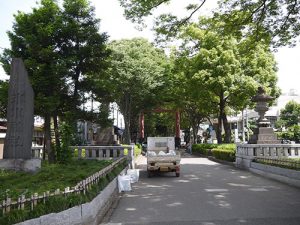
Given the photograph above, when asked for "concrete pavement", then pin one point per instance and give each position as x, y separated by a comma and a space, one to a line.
208, 193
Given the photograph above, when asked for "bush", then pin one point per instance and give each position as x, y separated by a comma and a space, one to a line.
137, 150
204, 149
224, 154
222, 151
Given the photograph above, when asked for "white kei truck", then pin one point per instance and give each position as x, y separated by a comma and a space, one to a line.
162, 156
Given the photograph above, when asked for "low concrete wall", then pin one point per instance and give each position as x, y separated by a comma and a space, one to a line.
243, 162
291, 177
27, 165
91, 213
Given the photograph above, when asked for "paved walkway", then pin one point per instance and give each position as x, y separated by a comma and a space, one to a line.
208, 193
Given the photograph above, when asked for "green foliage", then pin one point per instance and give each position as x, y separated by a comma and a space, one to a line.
292, 134
223, 73
224, 154
290, 115
272, 21
204, 149
3, 98
275, 22
137, 150
288, 122
63, 152
60, 203
208, 150
139, 76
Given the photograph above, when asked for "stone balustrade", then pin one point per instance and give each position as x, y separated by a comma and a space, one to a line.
37, 152
92, 152
245, 153
101, 152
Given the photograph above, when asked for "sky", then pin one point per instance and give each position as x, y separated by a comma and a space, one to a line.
117, 27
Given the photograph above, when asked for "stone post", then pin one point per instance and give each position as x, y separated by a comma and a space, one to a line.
20, 119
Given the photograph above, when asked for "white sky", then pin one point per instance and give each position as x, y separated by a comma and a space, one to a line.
117, 27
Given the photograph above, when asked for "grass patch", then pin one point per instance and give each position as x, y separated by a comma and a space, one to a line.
60, 203
49, 178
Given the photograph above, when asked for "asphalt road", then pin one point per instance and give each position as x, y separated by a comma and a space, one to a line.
208, 193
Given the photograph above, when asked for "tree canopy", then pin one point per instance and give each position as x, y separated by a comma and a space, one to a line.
289, 121
276, 21
289, 115
139, 75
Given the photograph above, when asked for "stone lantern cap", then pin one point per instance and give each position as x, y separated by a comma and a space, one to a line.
261, 96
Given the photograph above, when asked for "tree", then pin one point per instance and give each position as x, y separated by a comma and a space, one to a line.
277, 20
139, 73
289, 121
219, 64
60, 48
190, 95
289, 115
82, 48
33, 40
3, 98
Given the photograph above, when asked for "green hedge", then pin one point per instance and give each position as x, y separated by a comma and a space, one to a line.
206, 149
224, 154
137, 150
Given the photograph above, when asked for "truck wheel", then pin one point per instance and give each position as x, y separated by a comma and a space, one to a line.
177, 174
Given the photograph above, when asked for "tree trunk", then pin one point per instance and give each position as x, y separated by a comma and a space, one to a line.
56, 131
47, 139
125, 109
226, 128
219, 130
221, 112
195, 132
57, 136
127, 137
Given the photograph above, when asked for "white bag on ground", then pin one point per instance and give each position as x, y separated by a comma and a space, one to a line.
124, 183
134, 175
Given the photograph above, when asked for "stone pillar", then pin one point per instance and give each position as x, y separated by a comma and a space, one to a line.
20, 117
17, 153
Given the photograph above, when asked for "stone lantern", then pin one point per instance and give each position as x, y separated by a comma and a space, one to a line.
264, 133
